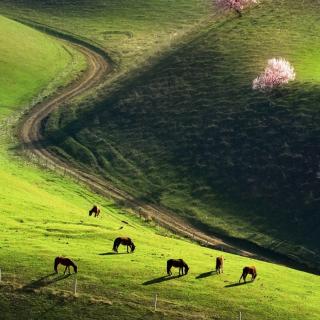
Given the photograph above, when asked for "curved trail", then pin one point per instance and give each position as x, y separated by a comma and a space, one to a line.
30, 135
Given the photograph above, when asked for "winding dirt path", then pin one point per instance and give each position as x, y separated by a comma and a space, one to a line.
31, 137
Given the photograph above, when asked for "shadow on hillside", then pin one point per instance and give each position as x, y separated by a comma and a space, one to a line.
160, 279
206, 274
237, 284
111, 253
44, 281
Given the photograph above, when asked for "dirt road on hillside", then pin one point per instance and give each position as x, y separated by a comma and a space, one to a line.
31, 137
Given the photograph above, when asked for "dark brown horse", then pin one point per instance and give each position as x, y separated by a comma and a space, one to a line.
248, 270
65, 262
95, 210
124, 241
177, 263
219, 264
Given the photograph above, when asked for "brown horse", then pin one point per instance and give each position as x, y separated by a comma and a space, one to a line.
65, 262
177, 263
124, 241
248, 270
219, 264
95, 210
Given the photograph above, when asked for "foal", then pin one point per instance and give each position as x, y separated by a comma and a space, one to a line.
248, 270
65, 262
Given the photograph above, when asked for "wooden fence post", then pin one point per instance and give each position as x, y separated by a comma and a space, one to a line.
75, 283
155, 301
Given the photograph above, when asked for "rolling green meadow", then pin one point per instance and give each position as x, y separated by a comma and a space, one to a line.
177, 122
44, 215
133, 33
165, 128
24, 53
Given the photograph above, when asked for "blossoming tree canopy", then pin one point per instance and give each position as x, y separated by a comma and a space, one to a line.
237, 5
278, 72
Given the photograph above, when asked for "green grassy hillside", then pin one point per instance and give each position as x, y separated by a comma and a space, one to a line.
190, 134
44, 215
131, 31
52, 220
24, 53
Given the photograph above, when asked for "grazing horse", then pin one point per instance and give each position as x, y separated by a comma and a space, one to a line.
124, 241
219, 264
95, 210
177, 263
65, 262
248, 270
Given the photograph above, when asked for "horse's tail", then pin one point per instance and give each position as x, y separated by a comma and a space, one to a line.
56, 262
116, 245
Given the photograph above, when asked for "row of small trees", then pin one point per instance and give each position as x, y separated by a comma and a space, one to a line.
278, 71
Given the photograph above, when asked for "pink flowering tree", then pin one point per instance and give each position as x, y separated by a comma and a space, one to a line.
237, 5
278, 72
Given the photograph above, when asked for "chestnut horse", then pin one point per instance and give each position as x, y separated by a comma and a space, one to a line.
248, 270
65, 262
219, 264
95, 210
124, 241
177, 263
